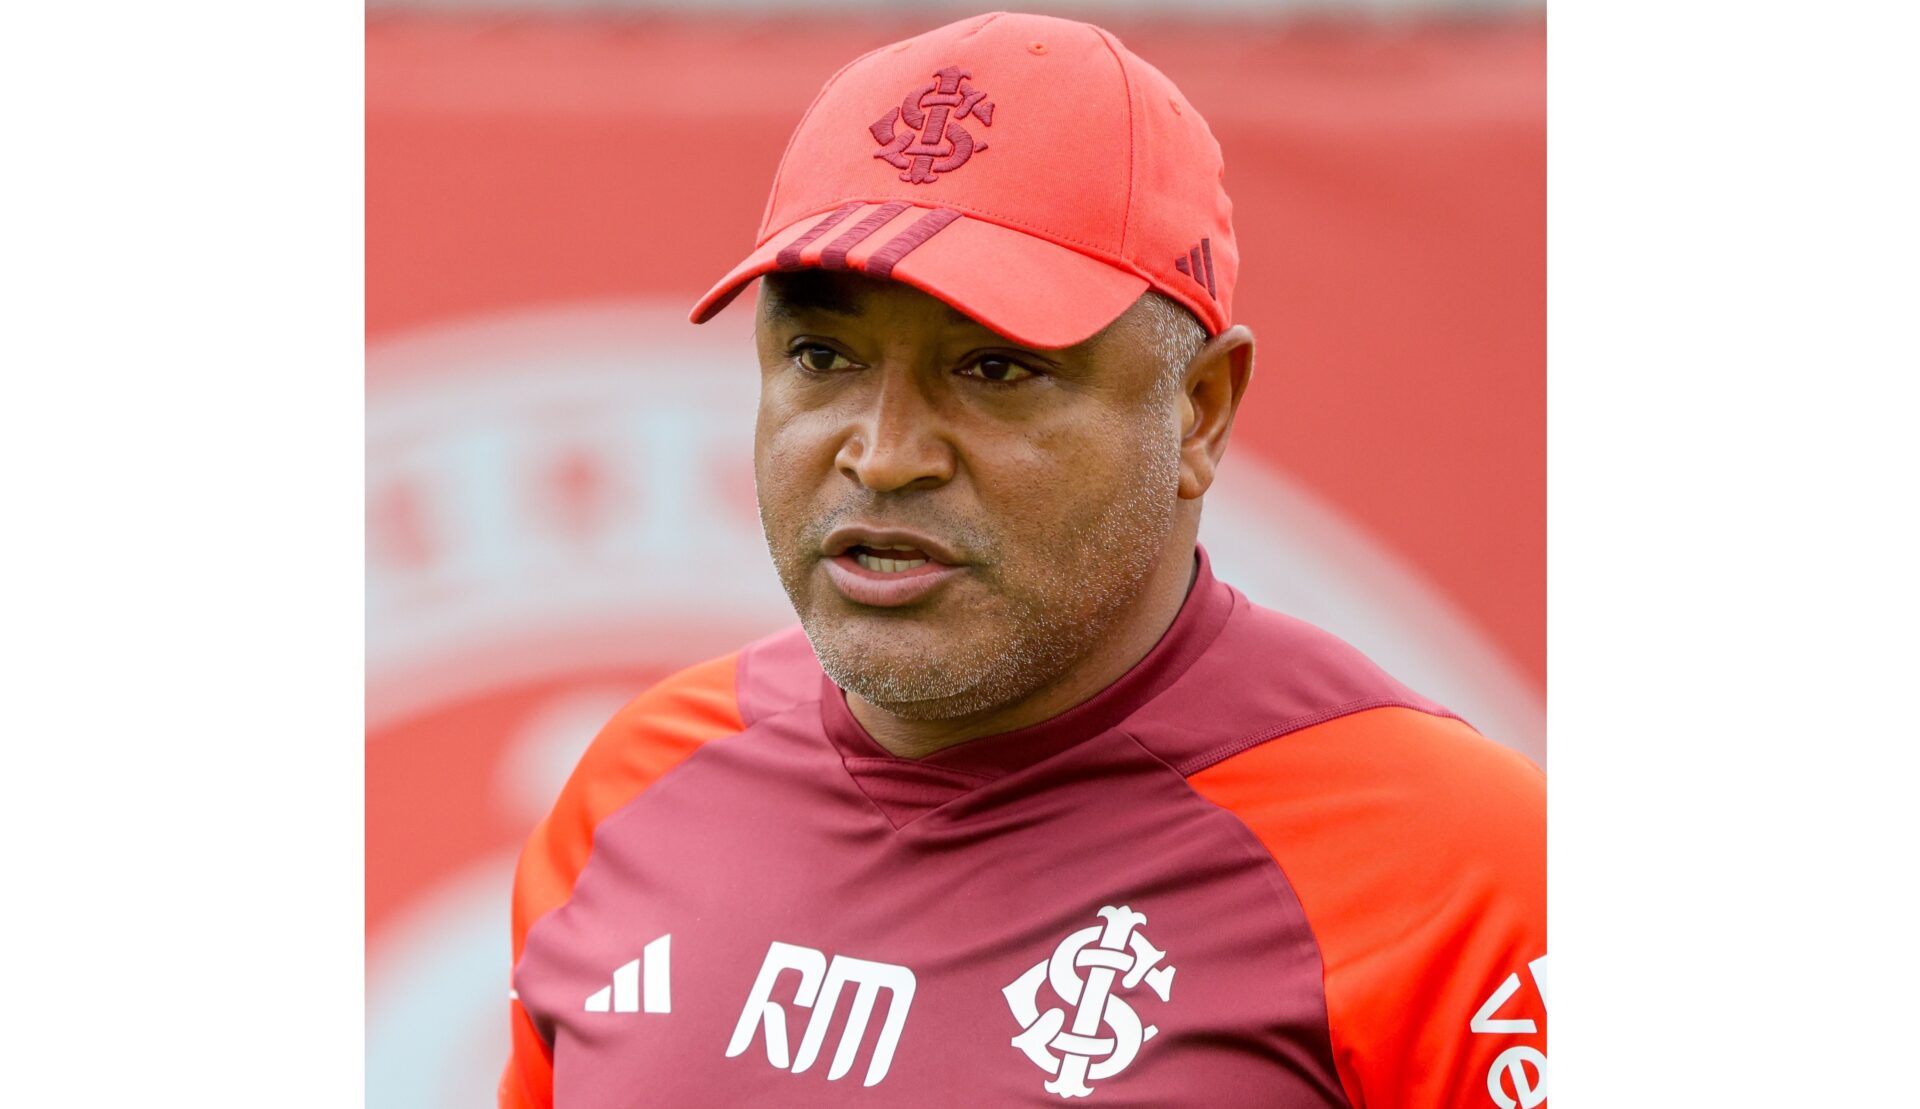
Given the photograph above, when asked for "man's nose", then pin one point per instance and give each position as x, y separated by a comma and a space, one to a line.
898, 440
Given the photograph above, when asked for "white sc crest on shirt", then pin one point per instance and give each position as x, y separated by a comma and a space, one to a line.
1095, 1033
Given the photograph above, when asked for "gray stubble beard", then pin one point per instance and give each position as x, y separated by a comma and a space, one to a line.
1122, 546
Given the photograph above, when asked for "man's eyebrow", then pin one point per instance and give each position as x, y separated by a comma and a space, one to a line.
788, 295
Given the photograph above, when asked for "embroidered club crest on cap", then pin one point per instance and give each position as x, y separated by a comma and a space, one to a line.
933, 142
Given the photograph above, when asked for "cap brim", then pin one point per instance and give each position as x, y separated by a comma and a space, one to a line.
1033, 291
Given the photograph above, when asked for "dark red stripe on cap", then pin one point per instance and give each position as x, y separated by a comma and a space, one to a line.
789, 256
1206, 250
903, 244
835, 256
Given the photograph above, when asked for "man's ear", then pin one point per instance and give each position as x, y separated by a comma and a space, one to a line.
1210, 392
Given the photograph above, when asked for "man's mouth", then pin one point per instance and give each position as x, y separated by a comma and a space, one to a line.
896, 559
888, 567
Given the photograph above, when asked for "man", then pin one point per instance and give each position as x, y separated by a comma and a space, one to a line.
1031, 806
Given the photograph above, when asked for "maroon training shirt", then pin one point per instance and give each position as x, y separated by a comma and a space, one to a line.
1254, 871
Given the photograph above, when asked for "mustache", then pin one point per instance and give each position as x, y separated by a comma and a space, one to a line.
967, 539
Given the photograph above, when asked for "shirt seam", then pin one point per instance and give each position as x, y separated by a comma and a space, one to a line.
1126, 83
1282, 888
593, 844
1215, 755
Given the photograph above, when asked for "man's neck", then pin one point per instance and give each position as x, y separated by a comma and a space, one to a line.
1126, 643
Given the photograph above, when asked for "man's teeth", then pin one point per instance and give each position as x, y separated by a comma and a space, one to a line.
887, 565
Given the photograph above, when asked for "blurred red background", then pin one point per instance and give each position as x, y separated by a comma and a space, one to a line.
546, 436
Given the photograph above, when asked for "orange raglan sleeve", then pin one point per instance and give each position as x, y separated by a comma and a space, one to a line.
643, 741
1417, 850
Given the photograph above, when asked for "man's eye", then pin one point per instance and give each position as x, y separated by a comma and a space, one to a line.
1004, 371
821, 359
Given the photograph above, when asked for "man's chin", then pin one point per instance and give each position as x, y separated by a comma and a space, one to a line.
911, 692
910, 671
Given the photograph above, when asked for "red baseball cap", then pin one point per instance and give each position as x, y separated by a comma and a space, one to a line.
1030, 171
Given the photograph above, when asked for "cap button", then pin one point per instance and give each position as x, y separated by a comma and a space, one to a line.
1036, 48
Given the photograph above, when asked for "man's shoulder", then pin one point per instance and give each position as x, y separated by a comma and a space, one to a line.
652, 734
703, 690
668, 725
1391, 773
646, 739
1410, 841
1264, 676
709, 700
1414, 846
1283, 722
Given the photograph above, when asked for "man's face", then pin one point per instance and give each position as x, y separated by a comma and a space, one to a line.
1036, 489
